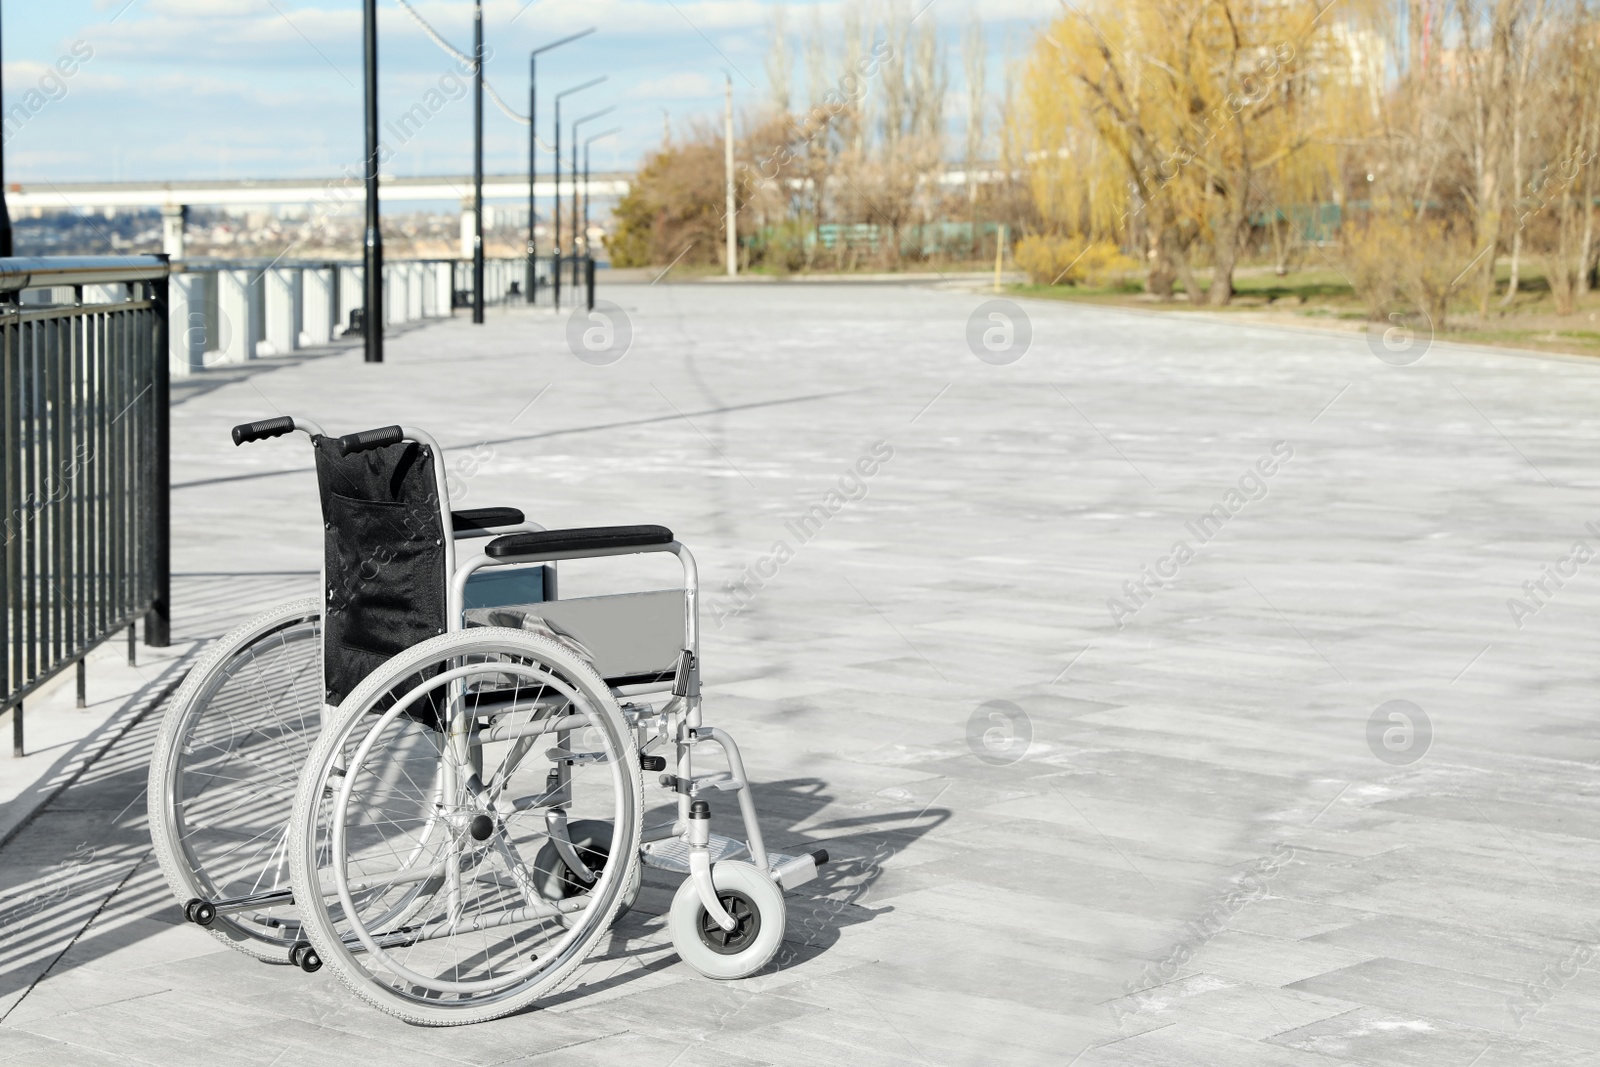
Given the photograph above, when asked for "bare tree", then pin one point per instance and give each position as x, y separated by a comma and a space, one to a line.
1558, 213
780, 61
973, 49
1519, 131
973, 53
1485, 53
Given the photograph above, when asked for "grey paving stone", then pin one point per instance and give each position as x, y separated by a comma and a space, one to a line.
1370, 1035
976, 912
1239, 1007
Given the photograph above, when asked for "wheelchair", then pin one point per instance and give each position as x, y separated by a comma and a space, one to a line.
431, 778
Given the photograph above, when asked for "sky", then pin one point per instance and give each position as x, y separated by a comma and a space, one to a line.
235, 89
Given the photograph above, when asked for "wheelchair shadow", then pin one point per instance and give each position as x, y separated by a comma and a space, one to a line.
859, 850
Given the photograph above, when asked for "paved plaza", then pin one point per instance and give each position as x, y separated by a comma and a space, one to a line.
1183, 692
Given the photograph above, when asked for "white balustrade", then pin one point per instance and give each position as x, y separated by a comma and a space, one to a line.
238, 316
317, 310
283, 295
230, 315
187, 329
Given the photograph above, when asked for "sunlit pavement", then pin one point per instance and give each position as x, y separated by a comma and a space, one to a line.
1089, 687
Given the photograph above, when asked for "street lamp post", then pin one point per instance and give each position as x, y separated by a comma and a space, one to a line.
555, 260
576, 281
533, 151
477, 162
5, 216
372, 252
586, 144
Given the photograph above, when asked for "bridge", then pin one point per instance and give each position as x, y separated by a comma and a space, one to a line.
266, 192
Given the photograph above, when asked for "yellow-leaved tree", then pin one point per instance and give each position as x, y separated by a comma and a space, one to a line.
1170, 123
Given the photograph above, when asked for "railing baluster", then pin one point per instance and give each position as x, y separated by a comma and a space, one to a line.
10, 611
119, 449
82, 619
30, 469
49, 503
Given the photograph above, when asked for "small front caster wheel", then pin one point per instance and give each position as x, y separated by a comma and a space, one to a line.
591, 839
200, 911
756, 904
305, 957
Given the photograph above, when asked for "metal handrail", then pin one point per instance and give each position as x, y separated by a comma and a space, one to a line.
35, 272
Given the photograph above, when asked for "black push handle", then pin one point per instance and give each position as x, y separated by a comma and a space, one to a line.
260, 431
368, 439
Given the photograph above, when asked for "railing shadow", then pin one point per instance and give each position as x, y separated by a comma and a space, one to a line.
62, 907
84, 853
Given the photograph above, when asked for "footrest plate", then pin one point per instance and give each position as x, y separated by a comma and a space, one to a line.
673, 854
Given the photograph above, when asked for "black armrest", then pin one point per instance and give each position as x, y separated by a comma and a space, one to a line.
485, 518
581, 540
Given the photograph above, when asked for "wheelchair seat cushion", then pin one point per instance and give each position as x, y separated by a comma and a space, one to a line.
520, 618
628, 637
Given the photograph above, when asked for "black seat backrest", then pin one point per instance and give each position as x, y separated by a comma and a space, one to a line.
383, 552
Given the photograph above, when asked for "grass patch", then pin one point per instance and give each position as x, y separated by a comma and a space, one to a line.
1528, 321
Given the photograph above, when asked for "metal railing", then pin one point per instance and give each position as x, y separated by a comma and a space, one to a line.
86, 480
84, 421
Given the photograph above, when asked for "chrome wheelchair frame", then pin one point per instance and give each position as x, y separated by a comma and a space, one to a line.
465, 814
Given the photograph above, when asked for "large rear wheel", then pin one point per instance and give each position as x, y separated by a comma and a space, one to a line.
427, 800
223, 773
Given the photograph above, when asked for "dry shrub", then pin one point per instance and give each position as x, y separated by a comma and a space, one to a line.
1367, 249
674, 206
1394, 261
1073, 260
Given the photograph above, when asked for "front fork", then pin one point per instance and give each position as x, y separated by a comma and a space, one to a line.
694, 816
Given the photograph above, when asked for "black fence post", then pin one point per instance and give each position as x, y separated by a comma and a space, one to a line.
588, 279
158, 620
373, 316
477, 164
5, 243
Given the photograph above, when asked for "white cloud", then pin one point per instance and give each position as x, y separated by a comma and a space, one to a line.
207, 9
171, 80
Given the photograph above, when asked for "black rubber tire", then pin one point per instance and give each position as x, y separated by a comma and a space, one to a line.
592, 839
